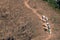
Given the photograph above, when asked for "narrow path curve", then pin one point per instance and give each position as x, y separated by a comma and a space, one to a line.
35, 12
26, 4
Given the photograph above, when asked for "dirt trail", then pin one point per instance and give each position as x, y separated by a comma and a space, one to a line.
35, 12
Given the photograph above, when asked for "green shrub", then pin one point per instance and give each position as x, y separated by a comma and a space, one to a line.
52, 3
44, 0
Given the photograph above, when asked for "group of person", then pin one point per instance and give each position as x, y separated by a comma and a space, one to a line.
46, 24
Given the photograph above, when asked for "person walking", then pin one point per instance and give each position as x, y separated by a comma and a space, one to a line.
44, 18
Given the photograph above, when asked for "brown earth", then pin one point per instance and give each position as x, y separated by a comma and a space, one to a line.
21, 19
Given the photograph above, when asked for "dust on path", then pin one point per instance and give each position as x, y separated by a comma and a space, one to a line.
40, 16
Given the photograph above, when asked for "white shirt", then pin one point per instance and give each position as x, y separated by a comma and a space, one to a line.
44, 18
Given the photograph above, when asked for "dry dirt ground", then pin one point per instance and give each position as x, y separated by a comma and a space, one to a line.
21, 20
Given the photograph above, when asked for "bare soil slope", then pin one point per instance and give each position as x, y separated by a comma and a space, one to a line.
44, 8
22, 23
17, 21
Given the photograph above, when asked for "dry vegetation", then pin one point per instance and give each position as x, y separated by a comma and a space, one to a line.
20, 23
16, 20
